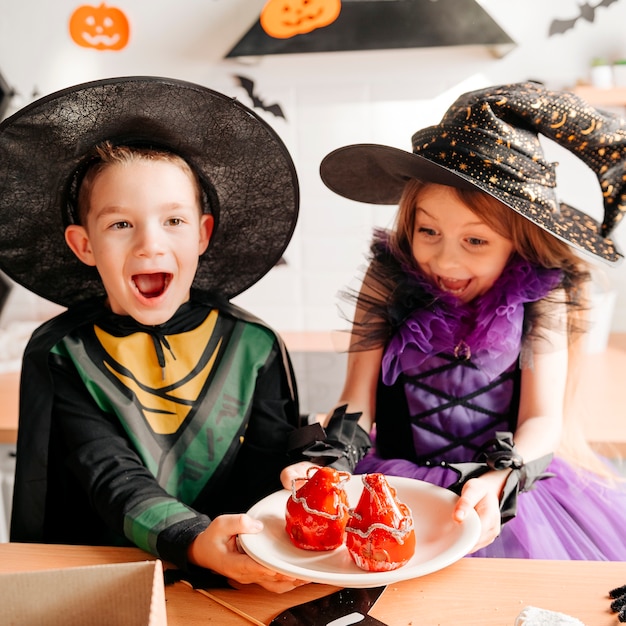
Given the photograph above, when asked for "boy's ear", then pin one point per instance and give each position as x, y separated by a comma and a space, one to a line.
78, 241
207, 222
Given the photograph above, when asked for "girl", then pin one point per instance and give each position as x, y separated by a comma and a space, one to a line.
470, 311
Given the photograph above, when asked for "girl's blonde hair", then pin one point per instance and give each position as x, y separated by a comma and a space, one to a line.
529, 240
538, 247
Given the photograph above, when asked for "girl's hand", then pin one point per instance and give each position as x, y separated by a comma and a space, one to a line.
481, 496
216, 549
297, 471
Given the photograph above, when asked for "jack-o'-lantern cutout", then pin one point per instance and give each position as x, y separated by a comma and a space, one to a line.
102, 27
285, 18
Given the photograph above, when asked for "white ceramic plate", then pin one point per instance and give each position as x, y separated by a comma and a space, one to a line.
439, 540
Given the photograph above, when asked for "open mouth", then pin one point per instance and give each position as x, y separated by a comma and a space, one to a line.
152, 285
452, 285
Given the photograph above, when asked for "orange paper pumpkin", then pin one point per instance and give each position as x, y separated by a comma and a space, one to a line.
102, 27
285, 18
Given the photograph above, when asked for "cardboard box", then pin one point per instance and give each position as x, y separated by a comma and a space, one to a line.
117, 594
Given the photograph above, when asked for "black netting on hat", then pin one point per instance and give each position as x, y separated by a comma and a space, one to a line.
245, 162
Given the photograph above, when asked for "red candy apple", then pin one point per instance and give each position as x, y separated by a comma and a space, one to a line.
317, 512
379, 534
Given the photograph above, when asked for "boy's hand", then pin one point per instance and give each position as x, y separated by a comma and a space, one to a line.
216, 549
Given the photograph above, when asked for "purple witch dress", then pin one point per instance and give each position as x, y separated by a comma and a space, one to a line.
449, 382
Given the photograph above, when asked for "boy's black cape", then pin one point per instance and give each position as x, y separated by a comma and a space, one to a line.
28, 519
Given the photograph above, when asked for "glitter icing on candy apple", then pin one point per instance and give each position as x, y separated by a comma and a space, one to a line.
317, 513
379, 534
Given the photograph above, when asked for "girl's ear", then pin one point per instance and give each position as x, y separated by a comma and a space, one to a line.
78, 241
207, 222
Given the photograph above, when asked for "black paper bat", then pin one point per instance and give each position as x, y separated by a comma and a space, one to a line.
257, 103
586, 12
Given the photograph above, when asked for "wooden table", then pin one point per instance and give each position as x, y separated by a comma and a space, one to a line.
480, 592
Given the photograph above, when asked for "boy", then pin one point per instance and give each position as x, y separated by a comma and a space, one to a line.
152, 410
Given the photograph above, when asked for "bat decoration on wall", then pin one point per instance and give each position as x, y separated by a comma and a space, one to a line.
586, 12
257, 103
10, 97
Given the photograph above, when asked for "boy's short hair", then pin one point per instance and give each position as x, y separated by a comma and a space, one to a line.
106, 154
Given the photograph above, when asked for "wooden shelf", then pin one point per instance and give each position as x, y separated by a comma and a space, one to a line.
614, 97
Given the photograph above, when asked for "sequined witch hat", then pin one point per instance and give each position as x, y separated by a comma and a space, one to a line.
489, 139
248, 177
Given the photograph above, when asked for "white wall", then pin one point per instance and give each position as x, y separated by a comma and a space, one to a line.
330, 99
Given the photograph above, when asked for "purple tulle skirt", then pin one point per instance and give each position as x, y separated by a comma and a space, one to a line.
572, 515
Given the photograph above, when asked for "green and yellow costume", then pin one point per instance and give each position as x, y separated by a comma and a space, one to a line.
151, 431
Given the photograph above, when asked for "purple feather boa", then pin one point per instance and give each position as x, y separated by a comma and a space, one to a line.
489, 328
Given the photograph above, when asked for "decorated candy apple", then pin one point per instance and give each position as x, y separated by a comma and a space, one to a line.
379, 533
317, 513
